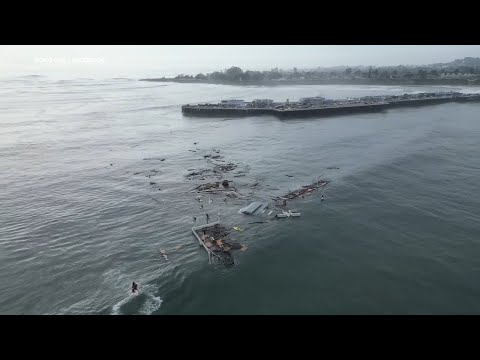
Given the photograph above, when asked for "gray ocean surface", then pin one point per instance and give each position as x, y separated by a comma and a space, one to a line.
398, 232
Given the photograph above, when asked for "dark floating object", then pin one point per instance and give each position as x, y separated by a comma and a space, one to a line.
152, 183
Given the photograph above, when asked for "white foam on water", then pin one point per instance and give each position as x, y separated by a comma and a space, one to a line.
150, 302
151, 305
117, 306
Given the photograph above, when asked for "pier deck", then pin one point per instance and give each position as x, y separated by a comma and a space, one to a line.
294, 110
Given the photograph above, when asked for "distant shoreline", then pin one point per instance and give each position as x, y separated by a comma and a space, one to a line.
452, 82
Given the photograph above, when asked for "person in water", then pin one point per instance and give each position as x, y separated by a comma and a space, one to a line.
208, 218
134, 287
321, 199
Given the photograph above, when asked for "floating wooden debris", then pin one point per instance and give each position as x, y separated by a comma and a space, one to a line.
256, 207
226, 185
304, 190
198, 174
250, 209
225, 168
288, 213
215, 240
233, 195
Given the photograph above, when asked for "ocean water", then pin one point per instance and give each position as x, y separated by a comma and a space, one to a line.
398, 232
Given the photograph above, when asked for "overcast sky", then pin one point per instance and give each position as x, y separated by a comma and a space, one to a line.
166, 60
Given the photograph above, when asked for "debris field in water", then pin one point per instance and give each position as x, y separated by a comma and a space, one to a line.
216, 238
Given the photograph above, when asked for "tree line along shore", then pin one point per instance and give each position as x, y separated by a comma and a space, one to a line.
458, 72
